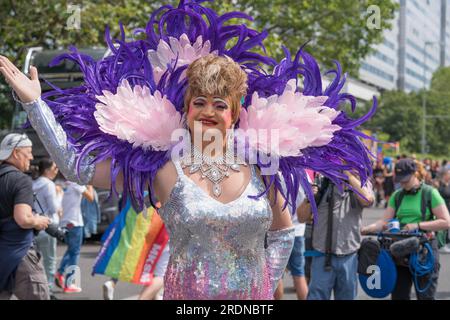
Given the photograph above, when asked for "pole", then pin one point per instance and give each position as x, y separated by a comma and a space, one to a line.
424, 101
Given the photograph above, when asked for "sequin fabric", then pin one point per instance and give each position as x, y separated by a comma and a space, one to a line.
279, 248
54, 138
216, 250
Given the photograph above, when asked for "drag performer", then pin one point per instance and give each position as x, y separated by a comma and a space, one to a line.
197, 73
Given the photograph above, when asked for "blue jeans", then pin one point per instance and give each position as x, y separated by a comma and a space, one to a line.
46, 245
73, 239
296, 263
342, 279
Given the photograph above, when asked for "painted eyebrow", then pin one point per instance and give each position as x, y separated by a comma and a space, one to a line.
216, 99
199, 99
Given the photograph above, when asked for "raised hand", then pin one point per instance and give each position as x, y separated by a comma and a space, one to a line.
26, 89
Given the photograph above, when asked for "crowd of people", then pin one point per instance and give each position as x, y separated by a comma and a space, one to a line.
54, 210
383, 176
329, 259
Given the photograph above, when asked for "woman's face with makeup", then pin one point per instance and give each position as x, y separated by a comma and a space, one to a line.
212, 112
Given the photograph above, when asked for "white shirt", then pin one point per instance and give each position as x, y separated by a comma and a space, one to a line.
71, 204
47, 201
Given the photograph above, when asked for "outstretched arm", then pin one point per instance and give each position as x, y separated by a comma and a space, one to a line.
381, 224
50, 132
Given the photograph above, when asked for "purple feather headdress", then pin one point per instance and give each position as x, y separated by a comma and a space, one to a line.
146, 78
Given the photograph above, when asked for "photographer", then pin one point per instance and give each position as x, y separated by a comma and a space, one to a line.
336, 238
21, 271
47, 202
417, 207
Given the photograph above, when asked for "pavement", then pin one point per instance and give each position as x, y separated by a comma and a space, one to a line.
92, 285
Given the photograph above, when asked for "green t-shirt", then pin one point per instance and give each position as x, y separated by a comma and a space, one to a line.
410, 208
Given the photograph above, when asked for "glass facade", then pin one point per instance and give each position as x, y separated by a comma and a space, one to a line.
417, 44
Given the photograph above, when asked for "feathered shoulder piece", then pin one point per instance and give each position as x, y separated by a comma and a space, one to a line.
132, 100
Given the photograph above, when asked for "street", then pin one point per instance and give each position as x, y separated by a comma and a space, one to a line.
92, 286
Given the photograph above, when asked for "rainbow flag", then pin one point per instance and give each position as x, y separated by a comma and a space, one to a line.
132, 246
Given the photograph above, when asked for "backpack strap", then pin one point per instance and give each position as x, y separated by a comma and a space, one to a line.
329, 237
398, 201
6, 170
426, 201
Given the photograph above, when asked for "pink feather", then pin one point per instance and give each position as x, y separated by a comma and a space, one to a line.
137, 116
181, 49
301, 122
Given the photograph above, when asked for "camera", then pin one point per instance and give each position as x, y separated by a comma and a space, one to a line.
56, 231
322, 184
53, 229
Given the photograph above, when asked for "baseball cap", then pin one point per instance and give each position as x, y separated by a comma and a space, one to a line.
12, 141
404, 169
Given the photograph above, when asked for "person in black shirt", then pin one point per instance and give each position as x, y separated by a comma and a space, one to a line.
21, 271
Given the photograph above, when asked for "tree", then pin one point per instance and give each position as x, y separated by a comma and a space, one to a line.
400, 115
438, 112
49, 24
337, 29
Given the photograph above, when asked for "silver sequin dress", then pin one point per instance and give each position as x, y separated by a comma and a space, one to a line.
216, 250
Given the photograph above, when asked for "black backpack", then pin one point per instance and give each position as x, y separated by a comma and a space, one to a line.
368, 255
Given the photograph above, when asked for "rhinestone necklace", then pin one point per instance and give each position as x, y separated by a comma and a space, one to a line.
215, 169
